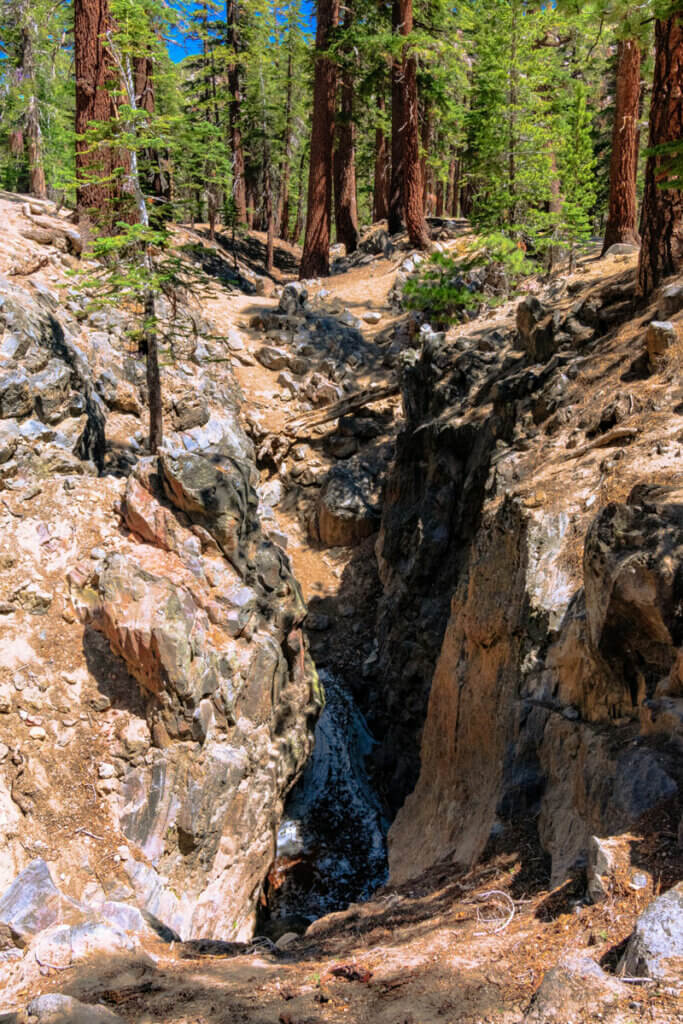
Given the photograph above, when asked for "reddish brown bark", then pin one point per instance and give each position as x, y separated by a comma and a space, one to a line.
315, 261
661, 250
413, 206
380, 195
239, 191
346, 213
621, 219
440, 203
450, 182
397, 125
100, 171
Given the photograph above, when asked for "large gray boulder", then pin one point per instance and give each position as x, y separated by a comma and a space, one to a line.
655, 949
52, 389
55, 1008
15, 395
31, 904
349, 504
577, 989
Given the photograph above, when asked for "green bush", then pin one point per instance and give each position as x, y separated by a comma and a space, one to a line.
445, 286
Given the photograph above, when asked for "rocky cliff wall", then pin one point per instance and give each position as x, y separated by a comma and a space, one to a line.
556, 691
157, 699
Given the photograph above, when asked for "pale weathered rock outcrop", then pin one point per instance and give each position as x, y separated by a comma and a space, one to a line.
192, 661
207, 622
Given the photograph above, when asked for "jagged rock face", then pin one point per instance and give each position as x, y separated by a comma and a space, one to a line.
482, 643
192, 617
557, 689
433, 495
208, 626
520, 710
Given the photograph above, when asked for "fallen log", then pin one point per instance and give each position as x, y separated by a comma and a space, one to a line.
299, 427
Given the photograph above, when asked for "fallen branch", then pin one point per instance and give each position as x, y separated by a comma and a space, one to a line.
638, 981
608, 439
86, 832
298, 428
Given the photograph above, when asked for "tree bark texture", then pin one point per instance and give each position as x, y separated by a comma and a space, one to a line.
299, 221
413, 206
397, 129
661, 251
439, 199
283, 212
239, 192
99, 171
315, 261
427, 137
34, 137
346, 212
156, 420
380, 194
621, 219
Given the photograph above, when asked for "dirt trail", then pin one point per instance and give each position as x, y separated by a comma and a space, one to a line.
360, 290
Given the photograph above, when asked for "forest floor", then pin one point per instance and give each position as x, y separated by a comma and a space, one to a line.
446, 947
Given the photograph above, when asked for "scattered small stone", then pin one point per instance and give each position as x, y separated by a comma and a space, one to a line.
622, 249
37, 733
671, 301
661, 336
100, 702
106, 770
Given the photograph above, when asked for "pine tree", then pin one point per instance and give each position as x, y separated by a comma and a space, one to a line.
316, 256
662, 221
577, 181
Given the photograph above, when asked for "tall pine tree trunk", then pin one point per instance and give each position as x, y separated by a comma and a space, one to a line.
34, 137
234, 113
412, 178
440, 202
283, 212
315, 261
397, 128
425, 169
380, 194
346, 213
621, 220
299, 222
661, 251
94, 70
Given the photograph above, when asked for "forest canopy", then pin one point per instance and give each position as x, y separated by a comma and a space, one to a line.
550, 123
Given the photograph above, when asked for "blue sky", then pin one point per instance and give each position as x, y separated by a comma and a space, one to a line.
181, 46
